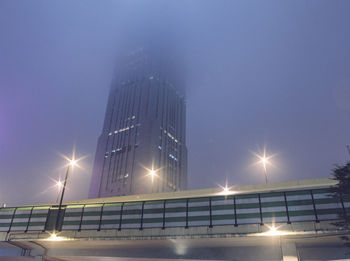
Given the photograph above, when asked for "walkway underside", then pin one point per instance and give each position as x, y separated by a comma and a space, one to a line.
297, 241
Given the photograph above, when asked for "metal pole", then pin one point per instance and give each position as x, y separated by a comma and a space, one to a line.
64, 186
58, 195
265, 172
63, 190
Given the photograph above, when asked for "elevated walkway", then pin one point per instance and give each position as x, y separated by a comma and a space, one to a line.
271, 222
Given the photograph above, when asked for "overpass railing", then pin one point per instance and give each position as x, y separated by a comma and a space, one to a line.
259, 208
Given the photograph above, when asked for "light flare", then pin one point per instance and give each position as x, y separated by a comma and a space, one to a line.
73, 161
59, 184
226, 190
274, 231
264, 158
55, 237
151, 172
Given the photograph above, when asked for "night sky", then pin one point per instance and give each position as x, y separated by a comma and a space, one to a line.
272, 74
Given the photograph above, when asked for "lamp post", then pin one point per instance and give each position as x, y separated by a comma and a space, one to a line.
72, 163
152, 173
59, 186
264, 161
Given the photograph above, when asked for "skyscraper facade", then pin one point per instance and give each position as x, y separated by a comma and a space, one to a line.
142, 147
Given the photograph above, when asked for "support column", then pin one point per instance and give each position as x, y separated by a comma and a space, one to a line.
289, 251
38, 258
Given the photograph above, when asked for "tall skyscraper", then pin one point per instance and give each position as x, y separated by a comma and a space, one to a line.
142, 148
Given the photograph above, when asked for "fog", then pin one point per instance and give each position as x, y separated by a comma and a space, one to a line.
258, 74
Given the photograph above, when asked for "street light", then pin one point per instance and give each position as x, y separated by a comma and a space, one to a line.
226, 190
71, 163
59, 186
55, 237
264, 160
152, 173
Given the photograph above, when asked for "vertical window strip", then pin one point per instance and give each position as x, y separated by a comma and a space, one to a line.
106, 147
115, 126
121, 158
110, 144
119, 143
129, 112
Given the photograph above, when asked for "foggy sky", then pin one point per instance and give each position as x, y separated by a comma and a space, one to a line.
258, 73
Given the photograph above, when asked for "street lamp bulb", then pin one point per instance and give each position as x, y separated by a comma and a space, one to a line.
273, 230
59, 184
264, 160
72, 162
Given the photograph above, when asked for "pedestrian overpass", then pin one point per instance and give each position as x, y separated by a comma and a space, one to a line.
278, 221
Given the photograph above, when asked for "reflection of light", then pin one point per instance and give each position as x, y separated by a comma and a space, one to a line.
55, 237
180, 247
180, 250
273, 231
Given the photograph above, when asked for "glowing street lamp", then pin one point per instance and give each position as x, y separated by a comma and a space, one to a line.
275, 232
59, 186
152, 174
264, 160
71, 163
55, 237
226, 190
